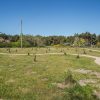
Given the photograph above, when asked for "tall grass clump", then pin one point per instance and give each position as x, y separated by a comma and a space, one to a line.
78, 56
69, 78
35, 58
77, 92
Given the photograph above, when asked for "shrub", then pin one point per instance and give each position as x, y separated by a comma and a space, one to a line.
28, 53
78, 56
79, 93
84, 52
90, 50
69, 78
35, 58
65, 53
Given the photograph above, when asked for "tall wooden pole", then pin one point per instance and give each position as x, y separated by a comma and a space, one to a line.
21, 35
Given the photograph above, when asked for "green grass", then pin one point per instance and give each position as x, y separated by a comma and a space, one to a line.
23, 79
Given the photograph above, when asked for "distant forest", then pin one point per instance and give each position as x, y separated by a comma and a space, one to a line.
82, 40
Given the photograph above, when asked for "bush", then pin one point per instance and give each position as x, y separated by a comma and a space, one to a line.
28, 53
76, 92
78, 56
84, 52
79, 93
65, 53
69, 78
15, 44
35, 58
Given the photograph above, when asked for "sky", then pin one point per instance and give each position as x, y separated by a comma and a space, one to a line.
50, 17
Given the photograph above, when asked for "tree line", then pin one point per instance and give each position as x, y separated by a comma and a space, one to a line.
82, 39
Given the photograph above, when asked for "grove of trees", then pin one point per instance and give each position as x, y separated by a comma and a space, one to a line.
84, 39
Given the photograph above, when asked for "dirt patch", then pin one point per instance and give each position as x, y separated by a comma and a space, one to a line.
44, 79
12, 70
11, 65
97, 85
54, 83
83, 71
97, 93
97, 59
84, 82
61, 85
24, 90
97, 74
30, 72
10, 81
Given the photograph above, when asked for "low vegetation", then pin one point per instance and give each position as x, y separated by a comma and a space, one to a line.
40, 77
86, 39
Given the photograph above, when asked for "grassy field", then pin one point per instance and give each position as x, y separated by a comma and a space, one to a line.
89, 51
21, 78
